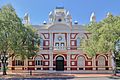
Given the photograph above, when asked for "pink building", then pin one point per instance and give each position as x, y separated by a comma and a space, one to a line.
60, 47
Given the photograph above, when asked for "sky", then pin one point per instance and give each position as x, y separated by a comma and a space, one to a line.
79, 9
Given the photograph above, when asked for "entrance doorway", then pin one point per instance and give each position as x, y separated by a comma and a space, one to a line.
59, 63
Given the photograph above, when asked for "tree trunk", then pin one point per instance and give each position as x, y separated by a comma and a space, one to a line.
4, 59
4, 68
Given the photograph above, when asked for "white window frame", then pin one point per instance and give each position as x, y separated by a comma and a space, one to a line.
19, 63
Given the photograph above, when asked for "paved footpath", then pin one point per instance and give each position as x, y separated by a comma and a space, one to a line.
58, 76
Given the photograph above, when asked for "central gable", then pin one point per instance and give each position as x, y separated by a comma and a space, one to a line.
59, 27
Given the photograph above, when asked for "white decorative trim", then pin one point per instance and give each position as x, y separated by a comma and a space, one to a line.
46, 56
102, 55
72, 63
89, 63
73, 56
94, 62
68, 61
82, 56
38, 56
46, 63
59, 55
17, 57
72, 43
30, 63
46, 43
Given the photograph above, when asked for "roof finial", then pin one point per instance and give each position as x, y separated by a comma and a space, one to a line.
93, 17
26, 18
109, 14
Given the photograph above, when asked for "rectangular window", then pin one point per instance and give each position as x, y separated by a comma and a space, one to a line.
73, 42
62, 44
38, 62
46, 43
19, 63
38, 68
80, 68
56, 44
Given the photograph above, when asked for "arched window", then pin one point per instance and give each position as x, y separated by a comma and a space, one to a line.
60, 58
18, 61
81, 62
101, 61
38, 61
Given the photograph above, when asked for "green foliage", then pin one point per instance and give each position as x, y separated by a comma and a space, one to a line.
103, 37
15, 37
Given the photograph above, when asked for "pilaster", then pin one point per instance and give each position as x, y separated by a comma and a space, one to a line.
68, 41
68, 60
94, 63
51, 60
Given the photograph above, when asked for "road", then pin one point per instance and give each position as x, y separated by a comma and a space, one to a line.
65, 78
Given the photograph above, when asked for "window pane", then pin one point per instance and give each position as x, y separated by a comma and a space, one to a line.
19, 63
62, 44
38, 62
41, 62
56, 44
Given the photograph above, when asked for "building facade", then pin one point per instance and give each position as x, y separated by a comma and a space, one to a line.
60, 50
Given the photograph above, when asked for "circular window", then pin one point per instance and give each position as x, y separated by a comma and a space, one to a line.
60, 38
59, 20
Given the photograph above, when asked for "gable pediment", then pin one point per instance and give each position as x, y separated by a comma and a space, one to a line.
59, 27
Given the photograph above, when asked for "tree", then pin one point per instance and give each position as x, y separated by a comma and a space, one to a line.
103, 38
15, 37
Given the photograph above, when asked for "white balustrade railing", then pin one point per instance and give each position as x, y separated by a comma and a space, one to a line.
59, 47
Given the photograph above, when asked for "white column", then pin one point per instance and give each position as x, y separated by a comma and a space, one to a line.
112, 61
25, 62
51, 40
51, 52
9, 62
94, 63
68, 60
109, 60
68, 41
51, 61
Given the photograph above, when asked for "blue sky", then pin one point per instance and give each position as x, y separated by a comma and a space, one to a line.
79, 9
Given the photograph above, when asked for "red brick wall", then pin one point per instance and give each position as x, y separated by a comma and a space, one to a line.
44, 63
47, 55
65, 63
47, 35
46, 47
33, 64
75, 62
86, 64
73, 47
